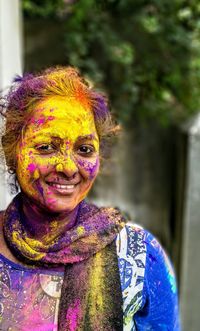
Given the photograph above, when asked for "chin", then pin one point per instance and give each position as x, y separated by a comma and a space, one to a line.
56, 206
60, 209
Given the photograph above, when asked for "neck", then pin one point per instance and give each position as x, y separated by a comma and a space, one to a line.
45, 226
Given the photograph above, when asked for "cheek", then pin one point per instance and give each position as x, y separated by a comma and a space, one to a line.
30, 165
25, 164
89, 169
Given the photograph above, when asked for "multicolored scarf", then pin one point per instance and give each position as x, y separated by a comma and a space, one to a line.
91, 297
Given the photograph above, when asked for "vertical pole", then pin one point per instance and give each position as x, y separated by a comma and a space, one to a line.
10, 61
190, 261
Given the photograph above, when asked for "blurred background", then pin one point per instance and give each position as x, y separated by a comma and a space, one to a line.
146, 56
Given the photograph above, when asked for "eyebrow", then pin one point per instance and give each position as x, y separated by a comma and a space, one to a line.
41, 135
90, 136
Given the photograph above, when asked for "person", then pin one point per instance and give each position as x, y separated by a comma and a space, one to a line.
65, 263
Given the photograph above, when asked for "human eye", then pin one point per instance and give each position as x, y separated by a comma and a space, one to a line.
45, 148
86, 150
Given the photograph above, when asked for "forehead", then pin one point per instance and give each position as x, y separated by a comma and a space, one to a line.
61, 117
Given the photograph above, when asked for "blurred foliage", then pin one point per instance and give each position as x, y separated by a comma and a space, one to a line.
48, 8
145, 54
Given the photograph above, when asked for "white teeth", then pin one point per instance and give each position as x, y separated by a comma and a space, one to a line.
67, 187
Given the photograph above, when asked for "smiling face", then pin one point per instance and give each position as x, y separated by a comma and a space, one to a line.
58, 154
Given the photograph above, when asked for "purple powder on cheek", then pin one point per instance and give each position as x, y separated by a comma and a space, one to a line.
39, 187
90, 167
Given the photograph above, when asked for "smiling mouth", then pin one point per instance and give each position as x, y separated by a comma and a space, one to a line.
63, 186
64, 189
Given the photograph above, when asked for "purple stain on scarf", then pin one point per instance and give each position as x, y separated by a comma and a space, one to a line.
100, 227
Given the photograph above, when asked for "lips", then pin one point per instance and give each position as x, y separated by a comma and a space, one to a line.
61, 181
63, 187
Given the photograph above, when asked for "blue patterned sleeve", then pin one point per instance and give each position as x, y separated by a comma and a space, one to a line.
160, 310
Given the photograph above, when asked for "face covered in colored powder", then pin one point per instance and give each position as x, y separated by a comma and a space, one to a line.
58, 155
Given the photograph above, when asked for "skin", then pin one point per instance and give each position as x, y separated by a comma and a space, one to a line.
57, 163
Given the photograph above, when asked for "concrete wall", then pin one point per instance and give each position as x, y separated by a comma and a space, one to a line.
10, 60
189, 227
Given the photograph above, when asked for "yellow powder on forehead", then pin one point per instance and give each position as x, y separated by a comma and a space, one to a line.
70, 106
72, 118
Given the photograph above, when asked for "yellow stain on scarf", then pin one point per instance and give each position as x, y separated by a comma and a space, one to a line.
92, 239
96, 290
35, 244
24, 246
80, 230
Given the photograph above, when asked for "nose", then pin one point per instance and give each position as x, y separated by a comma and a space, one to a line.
68, 166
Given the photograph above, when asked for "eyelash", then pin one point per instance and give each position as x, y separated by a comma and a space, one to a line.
88, 147
43, 149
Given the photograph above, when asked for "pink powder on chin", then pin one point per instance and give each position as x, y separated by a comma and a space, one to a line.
52, 201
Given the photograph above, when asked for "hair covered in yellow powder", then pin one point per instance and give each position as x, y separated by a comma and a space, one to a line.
26, 91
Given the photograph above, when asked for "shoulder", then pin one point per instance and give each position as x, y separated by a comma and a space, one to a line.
159, 306
158, 263
138, 237
138, 243
132, 240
